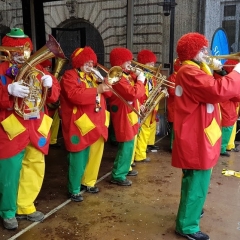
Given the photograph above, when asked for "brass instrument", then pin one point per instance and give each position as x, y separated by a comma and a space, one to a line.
153, 100
155, 72
233, 56
31, 106
114, 75
25, 50
157, 93
59, 63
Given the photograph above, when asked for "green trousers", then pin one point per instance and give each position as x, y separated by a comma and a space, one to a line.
123, 160
77, 163
9, 180
226, 135
194, 189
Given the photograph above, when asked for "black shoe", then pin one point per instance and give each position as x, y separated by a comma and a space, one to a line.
34, 217
225, 154
233, 150
194, 236
90, 189
132, 173
153, 147
125, 182
202, 213
10, 223
76, 197
143, 160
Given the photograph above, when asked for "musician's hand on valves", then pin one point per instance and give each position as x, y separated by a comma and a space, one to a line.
18, 90
141, 77
165, 91
103, 87
237, 68
47, 81
216, 64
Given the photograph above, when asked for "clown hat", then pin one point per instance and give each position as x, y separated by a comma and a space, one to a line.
120, 55
17, 33
16, 38
230, 62
146, 56
190, 44
83, 55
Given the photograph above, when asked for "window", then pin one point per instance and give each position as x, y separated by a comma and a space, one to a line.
231, 23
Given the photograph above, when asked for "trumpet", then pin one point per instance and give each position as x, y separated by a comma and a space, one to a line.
155, 72
114, 75
233, 56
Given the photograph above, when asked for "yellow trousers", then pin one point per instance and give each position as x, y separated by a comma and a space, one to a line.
231, 143
31, 179
143, 139
95, 157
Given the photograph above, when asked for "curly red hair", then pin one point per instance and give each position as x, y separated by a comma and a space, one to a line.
83, 55
190, 44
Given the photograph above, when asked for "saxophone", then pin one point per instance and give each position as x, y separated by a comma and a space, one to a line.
153, 100
30, 107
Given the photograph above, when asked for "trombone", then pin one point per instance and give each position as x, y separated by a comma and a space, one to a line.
114, 75
155, 72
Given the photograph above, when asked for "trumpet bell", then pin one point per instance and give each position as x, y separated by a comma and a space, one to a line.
114, 75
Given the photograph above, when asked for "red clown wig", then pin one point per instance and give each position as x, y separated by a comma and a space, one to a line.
83, 55
146, 56
120, 55
190, 44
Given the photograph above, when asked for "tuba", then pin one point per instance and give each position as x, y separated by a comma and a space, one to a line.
30, 107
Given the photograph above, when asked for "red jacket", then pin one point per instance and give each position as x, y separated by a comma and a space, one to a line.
197, 120
15, 132
125, 121
81, 125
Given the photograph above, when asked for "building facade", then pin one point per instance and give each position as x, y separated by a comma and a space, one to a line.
135, 24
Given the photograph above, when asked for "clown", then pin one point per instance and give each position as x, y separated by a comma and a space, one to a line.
24, 141
124, 119
228, 112
85, 121
197, 127
147, 132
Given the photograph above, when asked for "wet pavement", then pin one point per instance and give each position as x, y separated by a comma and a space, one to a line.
144, 211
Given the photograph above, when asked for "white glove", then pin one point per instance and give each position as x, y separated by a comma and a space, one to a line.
237, 68
138, 71
18, 90
141, 77
47, 81
216, 64
165, 92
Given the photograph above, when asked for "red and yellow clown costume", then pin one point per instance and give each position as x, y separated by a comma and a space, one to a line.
170, 99
84, 129
147, 132
125, 121
228, 113
23, 143
197, 128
